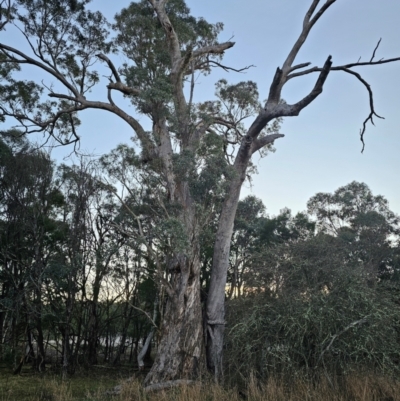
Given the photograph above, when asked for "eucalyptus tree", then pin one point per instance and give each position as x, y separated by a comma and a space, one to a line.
324, 293
164, 47
72, 264
363, 220
313, 311
104, 246
29, 205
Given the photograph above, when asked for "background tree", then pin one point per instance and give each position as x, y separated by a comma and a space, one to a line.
30, 202
317, 304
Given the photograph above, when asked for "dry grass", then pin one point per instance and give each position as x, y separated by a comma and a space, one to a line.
366, 388
29, 386
351, 388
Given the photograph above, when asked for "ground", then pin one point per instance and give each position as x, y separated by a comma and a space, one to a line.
83, 386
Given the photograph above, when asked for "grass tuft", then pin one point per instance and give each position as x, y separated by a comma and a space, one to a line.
31, 387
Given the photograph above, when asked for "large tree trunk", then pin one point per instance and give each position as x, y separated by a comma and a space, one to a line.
180, 353
215, 311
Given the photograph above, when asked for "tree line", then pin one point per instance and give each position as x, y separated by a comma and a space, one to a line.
86, 248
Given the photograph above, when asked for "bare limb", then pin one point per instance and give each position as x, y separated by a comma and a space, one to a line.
216, 49
376, 48
308, 23
119, 86
321, 11
347, 69
146, 313
281, 75
317, 90
29, 60
261, 142
109, 97
110, 65
126, 90
62, 96
274, 110
310, 12
211, 63
298, 66
143, 136
372, 112
274, 95
342, 67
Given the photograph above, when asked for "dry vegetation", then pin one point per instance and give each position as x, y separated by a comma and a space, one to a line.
93, 388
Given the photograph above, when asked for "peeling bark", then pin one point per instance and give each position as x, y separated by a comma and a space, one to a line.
180, 352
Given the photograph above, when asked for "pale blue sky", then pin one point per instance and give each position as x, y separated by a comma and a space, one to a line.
321, 149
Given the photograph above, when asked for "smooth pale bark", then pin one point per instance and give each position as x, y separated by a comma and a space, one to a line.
252, 142
149, 337
215, 313
143, 351
216, 296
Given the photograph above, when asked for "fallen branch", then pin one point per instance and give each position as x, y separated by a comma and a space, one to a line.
167, 385
152, 388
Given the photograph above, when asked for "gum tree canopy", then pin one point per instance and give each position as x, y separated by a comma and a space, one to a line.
199, 153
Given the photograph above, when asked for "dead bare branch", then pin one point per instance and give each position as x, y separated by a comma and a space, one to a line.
110, 65
308, 23
212, 63
317, 90
109, 97
261, 142
372, 112
62, 96
347, 69
126, 90
29, 60
298, 66
216, 49
376, 48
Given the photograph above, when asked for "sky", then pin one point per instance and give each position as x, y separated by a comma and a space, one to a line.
321, 150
